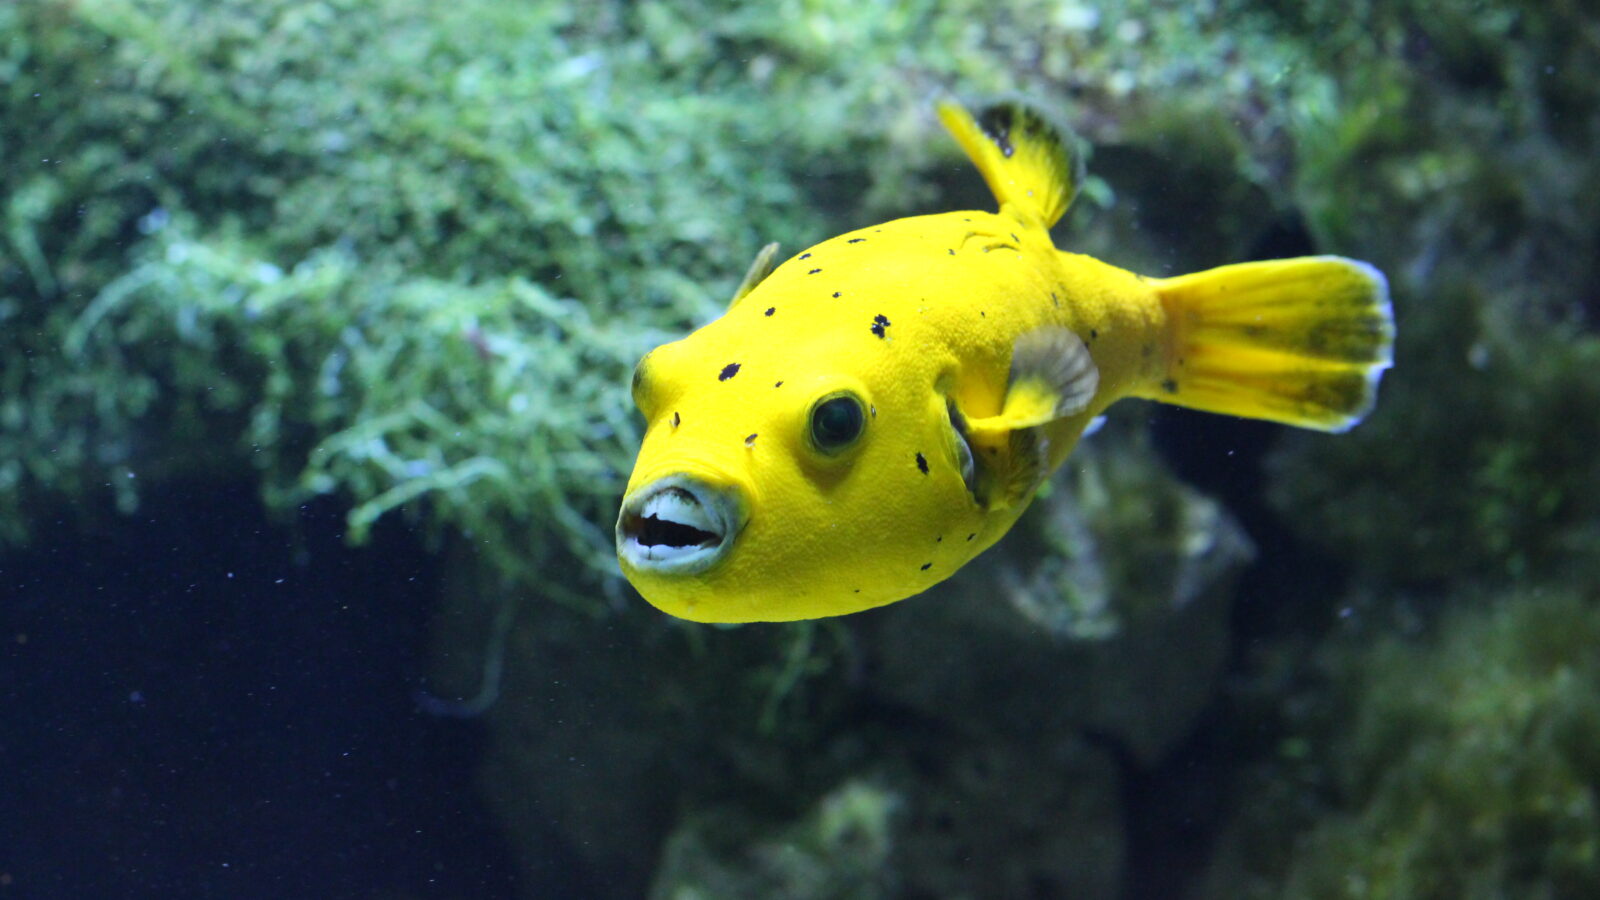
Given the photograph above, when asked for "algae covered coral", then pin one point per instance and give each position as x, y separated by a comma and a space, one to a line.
403, 255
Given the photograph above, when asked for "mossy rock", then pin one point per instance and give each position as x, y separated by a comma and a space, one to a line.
1106, 609
1457, 764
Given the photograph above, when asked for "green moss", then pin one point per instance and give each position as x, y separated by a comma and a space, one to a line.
1469, 766
341, 245
1487, 471
1456, 762
1454, 167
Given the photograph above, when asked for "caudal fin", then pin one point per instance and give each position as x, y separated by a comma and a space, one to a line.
1027, 161
1298, 341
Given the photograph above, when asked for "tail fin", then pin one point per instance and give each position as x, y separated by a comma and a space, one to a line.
1026, 160
1298, 341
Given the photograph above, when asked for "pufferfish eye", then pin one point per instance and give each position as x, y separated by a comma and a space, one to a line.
836, 422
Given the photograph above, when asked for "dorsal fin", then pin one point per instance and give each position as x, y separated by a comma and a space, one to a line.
1028, 162
760, 268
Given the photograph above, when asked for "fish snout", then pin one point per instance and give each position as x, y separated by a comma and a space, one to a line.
678, 525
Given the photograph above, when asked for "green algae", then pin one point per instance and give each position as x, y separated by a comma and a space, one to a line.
343, 250
1489, 471
1451, 165
1456, 763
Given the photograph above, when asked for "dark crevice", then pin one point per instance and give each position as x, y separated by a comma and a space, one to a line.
243, 693
1177, 807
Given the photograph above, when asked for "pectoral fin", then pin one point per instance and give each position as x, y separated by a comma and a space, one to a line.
1052, 377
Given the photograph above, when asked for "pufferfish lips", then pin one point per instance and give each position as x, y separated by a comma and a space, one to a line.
677, 525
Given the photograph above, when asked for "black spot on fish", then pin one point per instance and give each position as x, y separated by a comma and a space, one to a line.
1015, 238
805, 256
728, 371
952, 251
675, 419
972, 535
750, 441
879, 323
858, 590
983, 314
926, 566
813, 271
997, 128
874, 409
836, 295
1053, 301
855, 240
1147, 350
1169, 386
778, 385
1094, 334
771, 310
922, 463
939, 539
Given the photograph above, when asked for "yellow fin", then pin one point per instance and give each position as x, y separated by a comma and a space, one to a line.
1052, 377
1297, 341
1028, 162
760, 268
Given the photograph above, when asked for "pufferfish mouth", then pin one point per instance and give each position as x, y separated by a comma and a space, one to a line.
677, 525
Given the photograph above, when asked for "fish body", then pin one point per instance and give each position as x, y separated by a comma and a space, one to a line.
876, 411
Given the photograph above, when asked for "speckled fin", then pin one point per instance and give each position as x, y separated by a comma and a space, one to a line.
1052, 377
1298, 341
760, 268
1030, 163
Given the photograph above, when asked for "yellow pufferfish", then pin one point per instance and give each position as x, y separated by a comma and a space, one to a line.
867, 417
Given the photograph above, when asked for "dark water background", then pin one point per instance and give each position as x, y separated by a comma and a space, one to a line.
205, 702
201, 703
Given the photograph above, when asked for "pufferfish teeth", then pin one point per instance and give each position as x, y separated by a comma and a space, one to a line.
678, 524
681, 507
